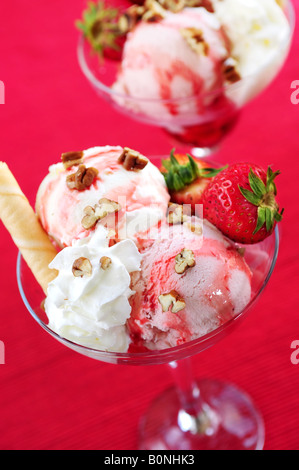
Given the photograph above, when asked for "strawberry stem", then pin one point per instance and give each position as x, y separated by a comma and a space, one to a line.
99, 26
180, 175
263, 196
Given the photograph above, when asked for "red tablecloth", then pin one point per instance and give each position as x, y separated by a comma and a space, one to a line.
54, 398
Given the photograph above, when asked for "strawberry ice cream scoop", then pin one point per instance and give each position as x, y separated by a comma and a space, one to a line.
178, 57
190, 283
125, 195
179, 65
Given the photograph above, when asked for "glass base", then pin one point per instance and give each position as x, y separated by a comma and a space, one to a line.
227, 420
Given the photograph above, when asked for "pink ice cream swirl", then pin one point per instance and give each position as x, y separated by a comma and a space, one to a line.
215, 290
142, 196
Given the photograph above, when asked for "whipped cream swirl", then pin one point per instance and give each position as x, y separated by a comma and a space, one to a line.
92, 310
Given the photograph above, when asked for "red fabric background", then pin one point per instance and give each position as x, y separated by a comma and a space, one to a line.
53, 398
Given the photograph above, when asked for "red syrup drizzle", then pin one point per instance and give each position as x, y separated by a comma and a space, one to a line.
224, 117
219, 116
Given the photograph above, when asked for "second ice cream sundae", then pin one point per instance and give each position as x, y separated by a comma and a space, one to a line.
190, 65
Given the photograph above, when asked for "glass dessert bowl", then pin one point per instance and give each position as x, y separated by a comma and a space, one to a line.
199, 120
194, 414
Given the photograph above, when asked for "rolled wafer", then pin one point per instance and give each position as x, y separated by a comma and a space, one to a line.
23, 225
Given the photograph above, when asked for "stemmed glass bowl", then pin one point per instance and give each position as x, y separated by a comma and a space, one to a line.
196, 123
192, 415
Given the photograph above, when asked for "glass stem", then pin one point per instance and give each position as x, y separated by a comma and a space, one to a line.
194, 416
187, 389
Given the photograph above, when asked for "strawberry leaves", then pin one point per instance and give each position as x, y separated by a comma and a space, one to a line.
263, 196
179, 175
99, 26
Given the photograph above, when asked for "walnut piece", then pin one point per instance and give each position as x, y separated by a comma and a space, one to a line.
72, 159
156, 10
105, 262
195, 40
82, 179
194, 228
130, 18
173, 300
82, 267
184, 261
89, 220
207, 4
106, 207
98, 212
176, 214
132, 160
230, 71
173, 5
153, 11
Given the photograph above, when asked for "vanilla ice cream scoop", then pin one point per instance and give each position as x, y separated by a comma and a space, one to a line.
192, 280
88, 302
127, 200
258, 31
260, 36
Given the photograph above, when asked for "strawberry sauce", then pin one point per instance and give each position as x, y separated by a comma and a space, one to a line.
223, 116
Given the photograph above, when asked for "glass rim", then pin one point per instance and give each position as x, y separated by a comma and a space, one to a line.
112, 356
291, 17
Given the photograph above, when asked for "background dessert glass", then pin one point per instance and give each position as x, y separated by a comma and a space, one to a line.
201, 133
192, 415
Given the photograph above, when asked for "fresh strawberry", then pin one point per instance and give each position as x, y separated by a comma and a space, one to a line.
241, 202
186, 179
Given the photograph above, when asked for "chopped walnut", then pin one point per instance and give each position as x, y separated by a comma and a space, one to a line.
230, 71
173, 300
173, 5
72, 159
184, 261
82, 267
132, 160
207, 4
89, 220
105, 262
176, 214
82, 179
153, 11
195, 40
98, 212
106, 207
194, 228
130, 18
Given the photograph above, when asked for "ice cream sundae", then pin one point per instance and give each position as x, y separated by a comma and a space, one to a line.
173, 276
190, 65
